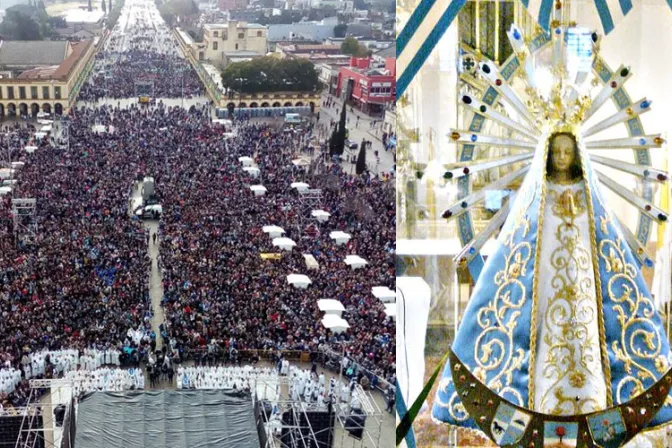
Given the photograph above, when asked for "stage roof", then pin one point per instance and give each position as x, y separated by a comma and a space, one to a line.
166, 419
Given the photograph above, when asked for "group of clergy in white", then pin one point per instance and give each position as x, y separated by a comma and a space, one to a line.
309, 388
222, 377
34, 364
106, 379
9, 379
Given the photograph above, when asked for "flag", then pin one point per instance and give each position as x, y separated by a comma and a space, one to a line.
427, 24
662, 276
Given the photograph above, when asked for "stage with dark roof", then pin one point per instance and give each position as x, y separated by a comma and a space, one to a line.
167, 418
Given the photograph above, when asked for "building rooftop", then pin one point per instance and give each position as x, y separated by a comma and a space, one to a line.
25, 53
389, 52
39, 73
310, 48
61, 70
222, 26
241, 53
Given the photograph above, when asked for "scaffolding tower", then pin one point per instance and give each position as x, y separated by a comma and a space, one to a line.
298, 430
144, 88
309, 200
24, 213
39, 427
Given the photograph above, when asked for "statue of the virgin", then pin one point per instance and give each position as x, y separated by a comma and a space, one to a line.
560, 321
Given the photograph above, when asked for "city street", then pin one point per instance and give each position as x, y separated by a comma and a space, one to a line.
361, 129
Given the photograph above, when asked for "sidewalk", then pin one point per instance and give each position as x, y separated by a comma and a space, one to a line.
335, 114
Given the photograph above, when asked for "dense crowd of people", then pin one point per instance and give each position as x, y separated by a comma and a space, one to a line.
83, 283
137, 73
216, 284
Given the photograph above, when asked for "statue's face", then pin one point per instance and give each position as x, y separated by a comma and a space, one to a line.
562, 153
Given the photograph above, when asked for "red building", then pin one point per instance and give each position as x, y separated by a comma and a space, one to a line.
368, 85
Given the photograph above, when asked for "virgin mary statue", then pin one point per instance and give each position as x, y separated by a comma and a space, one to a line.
560, 321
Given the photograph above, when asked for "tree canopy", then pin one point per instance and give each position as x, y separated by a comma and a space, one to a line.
352, 46
269, 74
340, 29
26, 22
286, 17
177, 8
114, 14
19, 26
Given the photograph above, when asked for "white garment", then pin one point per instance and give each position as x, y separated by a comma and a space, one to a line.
568, 358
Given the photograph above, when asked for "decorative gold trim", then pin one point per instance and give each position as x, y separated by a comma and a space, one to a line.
497, 24
477, 27
565, 182
606, 367
535, 281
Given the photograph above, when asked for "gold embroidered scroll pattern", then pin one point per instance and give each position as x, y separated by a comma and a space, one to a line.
493, 351
494, 348
454, 405
570, 353
639, 339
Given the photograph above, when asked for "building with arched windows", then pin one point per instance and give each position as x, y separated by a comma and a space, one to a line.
43, 76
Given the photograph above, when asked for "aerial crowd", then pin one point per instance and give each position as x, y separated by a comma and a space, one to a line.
82, 281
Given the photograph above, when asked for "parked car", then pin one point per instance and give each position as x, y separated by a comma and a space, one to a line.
149, 211
351, 145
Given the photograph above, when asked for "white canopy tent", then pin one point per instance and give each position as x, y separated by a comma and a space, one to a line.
301, 162
273, 231
331, 306
299, 280
311, 262
299, 186
391, 310
222, 122
284, 243
335, 323
340, 237
5, 190
6, 173
246, 161
252, 171
259, 190
16, 165
355, 261
384, 293
320, 215
40, 135
46, 128
413, 309
30, 149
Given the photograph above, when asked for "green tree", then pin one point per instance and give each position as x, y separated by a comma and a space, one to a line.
268, 74
339, 30
19, 26
360, 4
361, 159
352, 46
339, 135
114, 14
329, 11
